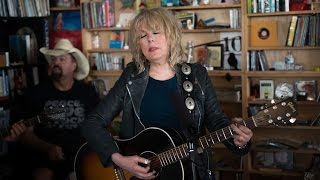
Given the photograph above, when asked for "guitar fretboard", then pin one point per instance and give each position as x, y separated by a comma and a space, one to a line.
181, 152
52, 114
28, 122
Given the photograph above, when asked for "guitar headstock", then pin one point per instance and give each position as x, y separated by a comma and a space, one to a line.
280, 113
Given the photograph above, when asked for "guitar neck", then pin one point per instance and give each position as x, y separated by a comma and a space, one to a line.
280, 113
223, 134
182, 151
28, 122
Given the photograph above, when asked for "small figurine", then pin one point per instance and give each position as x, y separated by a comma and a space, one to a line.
232, 60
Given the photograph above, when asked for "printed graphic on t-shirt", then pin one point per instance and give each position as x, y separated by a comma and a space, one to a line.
74, 114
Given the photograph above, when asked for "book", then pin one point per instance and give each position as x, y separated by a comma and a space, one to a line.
266, 89
4, 59
109, 13
116, 39
263, 61
292, 30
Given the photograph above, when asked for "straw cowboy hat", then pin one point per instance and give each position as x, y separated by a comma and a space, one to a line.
64, 46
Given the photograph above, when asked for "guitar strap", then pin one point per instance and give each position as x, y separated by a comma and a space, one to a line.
187, 78
190, 131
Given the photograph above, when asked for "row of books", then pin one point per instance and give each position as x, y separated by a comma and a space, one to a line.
304, 31
267, 6
235, 18
98, 14
257, 61
24, 8
106, 61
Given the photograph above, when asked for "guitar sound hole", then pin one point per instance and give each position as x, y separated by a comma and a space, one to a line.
154, 164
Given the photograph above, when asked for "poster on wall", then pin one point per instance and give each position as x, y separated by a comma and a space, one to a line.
232, 50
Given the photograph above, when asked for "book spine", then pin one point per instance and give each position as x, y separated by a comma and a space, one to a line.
291, 31
107, 13
286, 5
249, 6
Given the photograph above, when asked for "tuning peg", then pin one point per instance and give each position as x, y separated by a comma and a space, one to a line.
292, 120
262, 107
273, 101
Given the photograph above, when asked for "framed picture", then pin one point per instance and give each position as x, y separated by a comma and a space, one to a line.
187, 19
266, 89
215, 56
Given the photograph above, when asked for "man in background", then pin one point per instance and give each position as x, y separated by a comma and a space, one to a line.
65, 99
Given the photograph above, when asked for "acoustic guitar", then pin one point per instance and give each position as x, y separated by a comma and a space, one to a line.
159, 147
47, 114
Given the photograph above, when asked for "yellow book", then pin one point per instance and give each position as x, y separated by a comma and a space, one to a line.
292, 30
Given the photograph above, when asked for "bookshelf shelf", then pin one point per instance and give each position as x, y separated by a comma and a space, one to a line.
283, 13
282, 74
285, 48
108, 29
76, 8
108, 50
224, 72
294, 127
214, 30
275, 172
300, 151
200, 7
299, 103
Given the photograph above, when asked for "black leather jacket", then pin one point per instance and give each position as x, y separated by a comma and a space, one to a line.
126, 96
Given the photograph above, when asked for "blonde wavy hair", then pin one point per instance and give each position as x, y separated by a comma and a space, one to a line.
157, 19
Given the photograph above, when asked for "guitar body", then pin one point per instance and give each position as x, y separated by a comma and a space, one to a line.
88, 167
151, 142
147, 143
158, 146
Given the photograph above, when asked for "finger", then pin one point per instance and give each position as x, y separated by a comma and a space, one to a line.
143, 160
238, 141
140, 169
60, 153
150, 175
237, 119
241, 130
19, 129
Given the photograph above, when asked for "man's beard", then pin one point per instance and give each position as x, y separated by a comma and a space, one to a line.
56, 73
